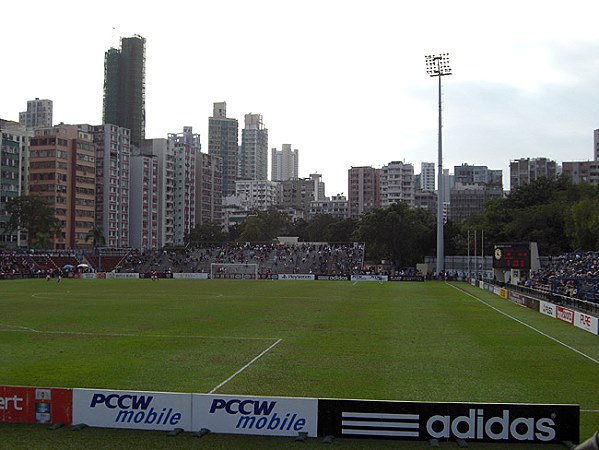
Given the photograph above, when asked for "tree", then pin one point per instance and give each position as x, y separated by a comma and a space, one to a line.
536, 212
208, 233
96, 234
398, 233
315, 230
340, 230
583, 224
263, 226
42, 241
32, 214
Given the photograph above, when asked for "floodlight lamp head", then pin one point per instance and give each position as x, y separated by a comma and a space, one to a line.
438, 65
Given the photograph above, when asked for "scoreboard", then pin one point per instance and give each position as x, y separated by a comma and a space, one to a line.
511, 256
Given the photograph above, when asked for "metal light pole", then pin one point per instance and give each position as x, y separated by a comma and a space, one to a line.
438, 66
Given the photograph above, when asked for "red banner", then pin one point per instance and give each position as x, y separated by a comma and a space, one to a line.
35, 405
565, 315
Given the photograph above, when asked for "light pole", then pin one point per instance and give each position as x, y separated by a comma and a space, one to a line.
438, 66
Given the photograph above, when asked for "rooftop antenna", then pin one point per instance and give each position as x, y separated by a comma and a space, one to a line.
114, 40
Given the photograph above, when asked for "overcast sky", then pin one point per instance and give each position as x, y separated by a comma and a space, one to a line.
344, 82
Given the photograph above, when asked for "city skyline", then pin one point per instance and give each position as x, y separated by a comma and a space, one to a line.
347, 85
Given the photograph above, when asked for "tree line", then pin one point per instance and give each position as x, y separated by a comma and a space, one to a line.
558, 215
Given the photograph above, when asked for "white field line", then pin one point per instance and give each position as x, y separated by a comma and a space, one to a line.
44, 295
19, 329
246, 366
590, 358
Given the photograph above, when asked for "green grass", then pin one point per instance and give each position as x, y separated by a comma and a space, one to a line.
395, 341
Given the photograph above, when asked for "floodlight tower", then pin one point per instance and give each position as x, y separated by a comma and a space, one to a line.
438, 66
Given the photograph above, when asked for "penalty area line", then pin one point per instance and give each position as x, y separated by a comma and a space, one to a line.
246, 366
590, 358
19, 329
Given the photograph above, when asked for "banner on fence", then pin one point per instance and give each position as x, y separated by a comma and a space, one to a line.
294, 276
586, 322
379, 278
485, 422
268, 416
35, 405
115, 275
194, 276
132, 409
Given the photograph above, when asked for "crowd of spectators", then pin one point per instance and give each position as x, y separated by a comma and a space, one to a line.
304, 258
572, 275
274, 258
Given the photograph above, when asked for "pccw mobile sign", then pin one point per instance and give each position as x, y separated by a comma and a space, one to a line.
269, 416
132, 409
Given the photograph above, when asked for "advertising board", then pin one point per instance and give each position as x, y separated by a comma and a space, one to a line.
132, 409
564, 314
332, 277
120, 276
549, 309
517, 298
485, 422
586, 322
35, 405
269, 416
194, 276
369, 278
294, 276
406, 278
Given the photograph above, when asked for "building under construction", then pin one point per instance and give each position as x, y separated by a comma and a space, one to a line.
125, 87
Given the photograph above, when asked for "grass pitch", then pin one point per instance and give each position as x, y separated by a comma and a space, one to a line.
396, 341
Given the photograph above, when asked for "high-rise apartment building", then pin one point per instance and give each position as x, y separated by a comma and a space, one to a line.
62, 169
124, 87
163, 151
397, 184
473, 187
284, 163
470, 200
364, 190
296, 196
253, 152
38, 114
260, 195
525, 170
427, 176
144, 228
449, 183
336, 206
223, 141
14, 159
426, 200
319, 186
209, 189
186, 146
596, 144
113, 154
467, 174
581, 171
